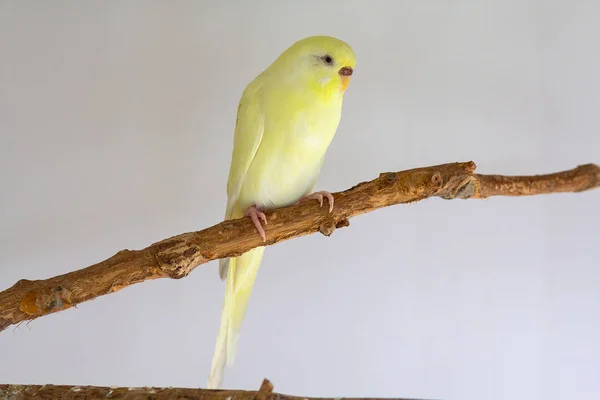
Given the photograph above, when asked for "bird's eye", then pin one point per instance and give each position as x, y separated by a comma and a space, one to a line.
327, 59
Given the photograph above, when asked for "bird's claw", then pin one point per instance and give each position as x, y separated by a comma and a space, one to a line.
256, 216
319, 196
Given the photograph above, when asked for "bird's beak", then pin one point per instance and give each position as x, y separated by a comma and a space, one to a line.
345, 73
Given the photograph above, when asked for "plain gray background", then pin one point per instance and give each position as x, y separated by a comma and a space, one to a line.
116, 122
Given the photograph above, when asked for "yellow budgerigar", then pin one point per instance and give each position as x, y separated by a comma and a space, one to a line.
286, 119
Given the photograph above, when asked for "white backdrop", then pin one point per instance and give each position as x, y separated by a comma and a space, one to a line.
116, 123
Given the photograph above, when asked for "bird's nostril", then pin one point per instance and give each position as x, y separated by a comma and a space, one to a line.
345, 71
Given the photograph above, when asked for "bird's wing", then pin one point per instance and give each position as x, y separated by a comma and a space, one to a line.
249, 129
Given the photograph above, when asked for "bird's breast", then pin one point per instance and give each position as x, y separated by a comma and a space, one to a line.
289, 158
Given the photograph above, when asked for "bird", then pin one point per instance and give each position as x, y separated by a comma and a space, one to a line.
286, 119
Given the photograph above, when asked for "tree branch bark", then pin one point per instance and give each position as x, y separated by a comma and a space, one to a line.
65, 392
177, 256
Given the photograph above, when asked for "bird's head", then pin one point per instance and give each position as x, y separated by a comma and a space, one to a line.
321, 63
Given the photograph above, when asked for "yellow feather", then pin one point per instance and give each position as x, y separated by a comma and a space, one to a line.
286, 119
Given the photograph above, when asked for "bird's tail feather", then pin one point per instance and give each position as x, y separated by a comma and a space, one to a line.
241, 274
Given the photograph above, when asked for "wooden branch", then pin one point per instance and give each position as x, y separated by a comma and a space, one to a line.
177, 256
64, 392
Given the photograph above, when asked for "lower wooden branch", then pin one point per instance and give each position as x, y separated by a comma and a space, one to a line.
177, 256
19, 392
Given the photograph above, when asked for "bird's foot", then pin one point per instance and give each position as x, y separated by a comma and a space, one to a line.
256, 216
319, 196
